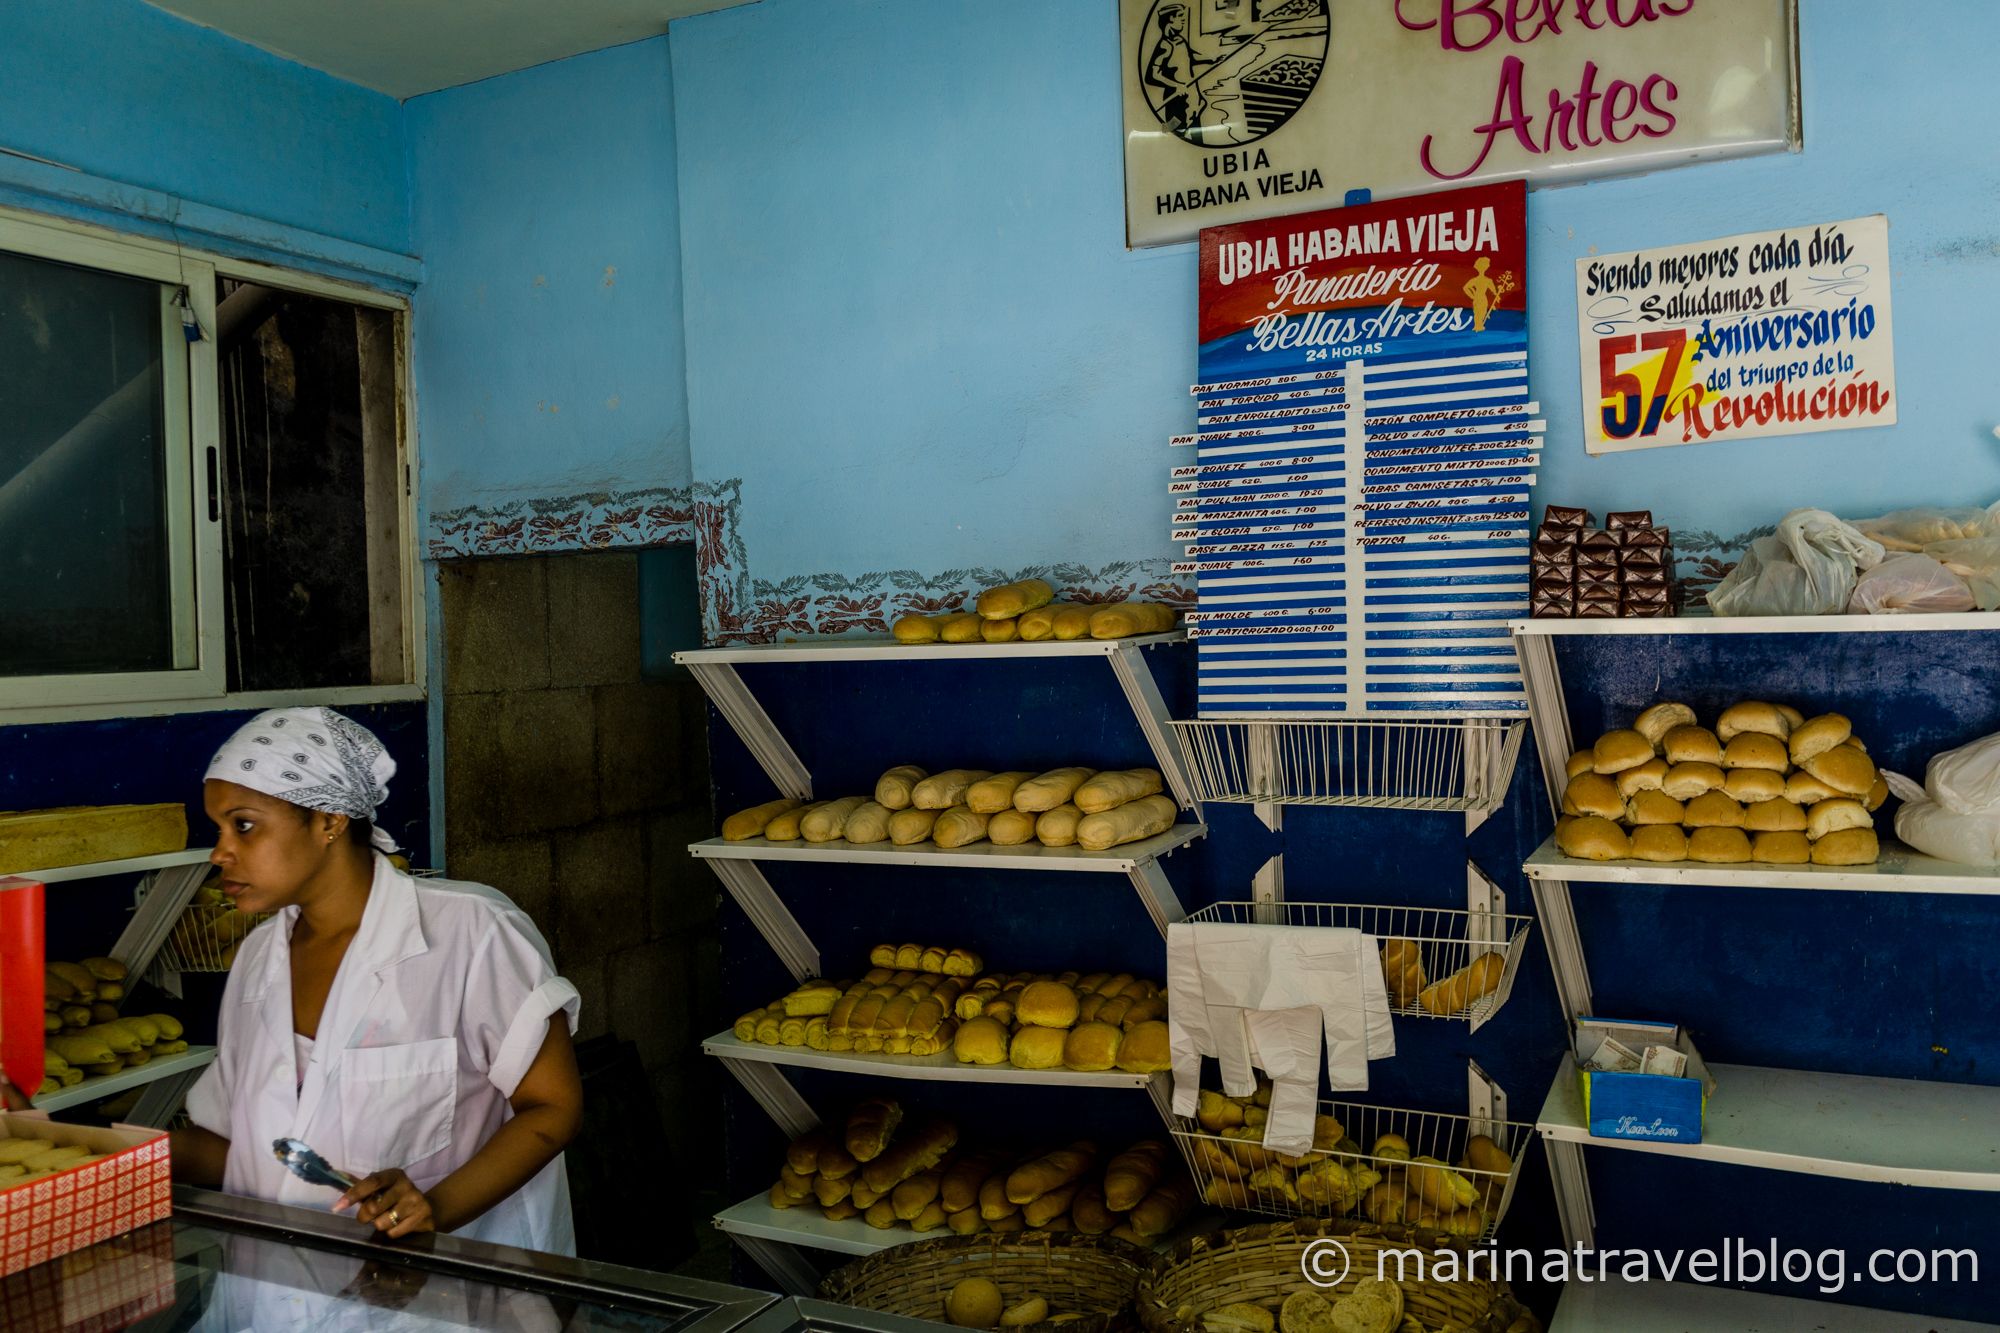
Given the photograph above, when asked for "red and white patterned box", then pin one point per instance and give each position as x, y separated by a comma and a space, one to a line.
129, 1187
97, 1290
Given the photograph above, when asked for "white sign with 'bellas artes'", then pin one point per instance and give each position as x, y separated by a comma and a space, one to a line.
1243, 109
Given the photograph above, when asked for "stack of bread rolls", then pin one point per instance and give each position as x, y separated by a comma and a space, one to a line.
881, 1167
1090, 1023
1028, 611
1384, 1183
960, 806
1766, 784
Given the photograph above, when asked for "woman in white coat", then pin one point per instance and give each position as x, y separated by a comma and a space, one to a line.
414, 1032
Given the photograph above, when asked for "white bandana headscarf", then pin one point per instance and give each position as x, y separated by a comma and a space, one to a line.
312, 757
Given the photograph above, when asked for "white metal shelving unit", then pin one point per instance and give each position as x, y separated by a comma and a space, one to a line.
715, 671
1677, 1307
170, 881
1822, 1124
736, 864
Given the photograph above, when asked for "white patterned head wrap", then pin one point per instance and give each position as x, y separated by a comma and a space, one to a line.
312, 757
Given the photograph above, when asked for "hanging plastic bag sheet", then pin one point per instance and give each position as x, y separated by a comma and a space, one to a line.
1916, 529
1809, 568
1965, 781
1938, 830
1977, 561
1909, 583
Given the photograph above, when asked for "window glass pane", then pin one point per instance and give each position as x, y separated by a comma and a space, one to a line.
85, 578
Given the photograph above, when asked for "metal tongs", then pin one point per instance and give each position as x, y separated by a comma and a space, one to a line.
308, 1165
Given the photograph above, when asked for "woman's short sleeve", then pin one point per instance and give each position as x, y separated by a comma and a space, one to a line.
511, 993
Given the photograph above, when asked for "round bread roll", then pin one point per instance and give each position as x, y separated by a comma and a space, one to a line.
1843, 768
1803, 788
1713, 810
1792, 715
1037, 1048
1653, 807
1046, 1004
1719, 846
1660, 842
1831, 816
1687, 781
1751, 715
1617, 751
1691, 745
1748, 785
1581, 762
1776, 815
1819, 735
1848, 847
1594, 794
1877, 794
1589, 838
1660, 719
1780, 849
1646, 777
1855, 741
1753, 749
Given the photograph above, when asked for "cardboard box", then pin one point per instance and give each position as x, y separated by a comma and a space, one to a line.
129, 1187
1631, 1105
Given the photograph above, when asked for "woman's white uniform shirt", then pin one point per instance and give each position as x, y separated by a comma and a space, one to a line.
440, 1005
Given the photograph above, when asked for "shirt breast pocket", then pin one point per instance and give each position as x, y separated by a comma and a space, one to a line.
397, 1103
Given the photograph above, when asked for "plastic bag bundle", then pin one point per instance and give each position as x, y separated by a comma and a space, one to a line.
1955, 815
1809, 568
1916, 529
1909, 583
1977, 561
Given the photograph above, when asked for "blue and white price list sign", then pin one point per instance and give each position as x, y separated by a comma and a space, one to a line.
1358, 509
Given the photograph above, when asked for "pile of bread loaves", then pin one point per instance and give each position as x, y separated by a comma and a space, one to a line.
1384, 1182
1028, 611
960, 806
1767, 784
24, 1160
84, 1035
886, 1170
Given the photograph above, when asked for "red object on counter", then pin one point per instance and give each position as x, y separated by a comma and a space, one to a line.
21, 967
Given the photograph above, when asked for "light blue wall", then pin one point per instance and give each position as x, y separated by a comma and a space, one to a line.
178, 130
549, 346
916, 336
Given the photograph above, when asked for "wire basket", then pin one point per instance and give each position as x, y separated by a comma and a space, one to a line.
1454, 764
1444, 942
1242, 1174
1087, 1280
206, 937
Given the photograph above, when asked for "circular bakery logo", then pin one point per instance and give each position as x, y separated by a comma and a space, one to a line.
1220, 73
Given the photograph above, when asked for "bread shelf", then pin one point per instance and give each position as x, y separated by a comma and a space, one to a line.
1900, 870
1847, 1126
193, 1060
942, 1067
1675, 1307
136, 865
976, 856
1711, 624
755, 1219
845, 649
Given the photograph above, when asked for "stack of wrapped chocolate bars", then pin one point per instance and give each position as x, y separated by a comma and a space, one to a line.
1625, 568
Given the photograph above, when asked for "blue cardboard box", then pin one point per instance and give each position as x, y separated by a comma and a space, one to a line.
1626, 1104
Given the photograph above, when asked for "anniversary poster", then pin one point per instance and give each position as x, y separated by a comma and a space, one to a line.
1357, 516
1771, 333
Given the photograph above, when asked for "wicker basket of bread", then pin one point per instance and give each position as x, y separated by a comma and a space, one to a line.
1325, 1276
1029, 1279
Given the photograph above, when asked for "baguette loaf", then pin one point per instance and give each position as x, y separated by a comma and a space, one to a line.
830, 1192
784, 827
1048, 790
1162, 1210
892, 789
1057, 827
869, 823
1143, 818
941, 791
990, 796
1045, 1209
959, 827
1073, 621
1123, 619
1040, 623
914, 1151
749, 823
960, 628
1000, 631
1011, 599
1107, 791
919, 1192
1133, 1174
828, 823
962, 1179
993, 1201
869, 1127
1031, 1180
1011, 828
915, 629
907, 827
1403, 970
1479, 978
1088, 1213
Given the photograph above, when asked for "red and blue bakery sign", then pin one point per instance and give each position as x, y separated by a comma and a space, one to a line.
1357, 514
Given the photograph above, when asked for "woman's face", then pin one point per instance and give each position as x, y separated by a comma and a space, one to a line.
266, 848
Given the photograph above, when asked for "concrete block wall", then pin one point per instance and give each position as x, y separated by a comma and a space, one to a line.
574, 785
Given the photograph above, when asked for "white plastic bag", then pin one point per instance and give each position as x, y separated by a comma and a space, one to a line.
1909, 583
1808, 569
1966, 780
1972, 840
1977, 561
1915, 529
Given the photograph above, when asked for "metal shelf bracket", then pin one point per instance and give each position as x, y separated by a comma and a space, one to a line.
747, 718
774, 921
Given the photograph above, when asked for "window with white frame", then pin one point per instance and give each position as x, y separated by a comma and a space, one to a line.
204, 481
